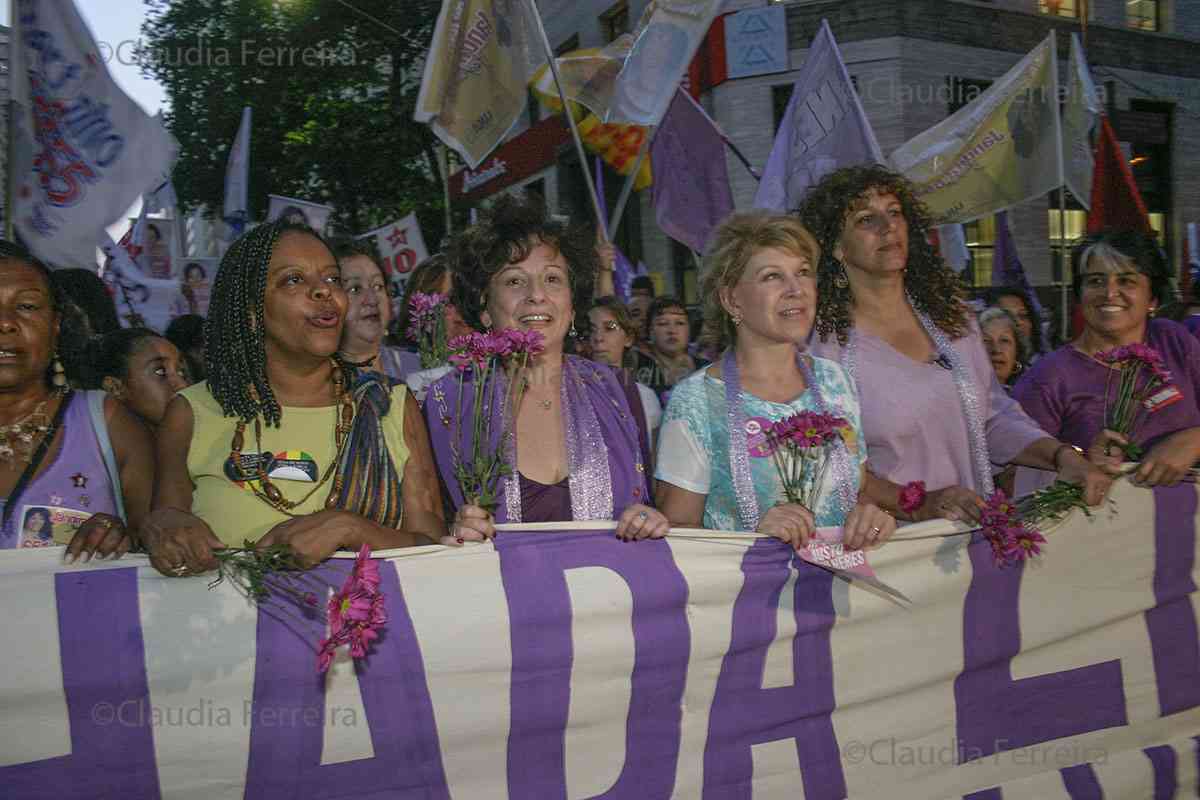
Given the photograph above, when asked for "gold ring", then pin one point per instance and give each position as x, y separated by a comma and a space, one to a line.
180, 570
105, 523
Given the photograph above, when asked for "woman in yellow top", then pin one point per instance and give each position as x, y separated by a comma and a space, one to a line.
285, 443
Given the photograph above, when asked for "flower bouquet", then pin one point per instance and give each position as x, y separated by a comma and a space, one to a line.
800, 446
356, 613
427, 327
1133, 393
1011, 526
479, 471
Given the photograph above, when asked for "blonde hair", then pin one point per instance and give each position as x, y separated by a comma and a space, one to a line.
733, 244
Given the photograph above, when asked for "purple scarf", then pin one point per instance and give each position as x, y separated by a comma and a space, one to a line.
607, 468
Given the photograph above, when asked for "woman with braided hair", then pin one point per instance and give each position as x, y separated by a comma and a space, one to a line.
893, 314
285, 443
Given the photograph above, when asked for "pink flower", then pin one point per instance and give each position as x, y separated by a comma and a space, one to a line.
1024, 544
356, 612
912, 496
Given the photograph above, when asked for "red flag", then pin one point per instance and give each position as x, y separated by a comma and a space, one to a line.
1116, 202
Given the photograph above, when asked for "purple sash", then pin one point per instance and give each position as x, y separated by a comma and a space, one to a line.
604, 452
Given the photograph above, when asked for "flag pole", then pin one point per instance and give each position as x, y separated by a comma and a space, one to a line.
583, 164
615, 221
1064, 293
443, 159
15, 73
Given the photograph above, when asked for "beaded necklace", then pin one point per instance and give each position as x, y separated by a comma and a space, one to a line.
260, 482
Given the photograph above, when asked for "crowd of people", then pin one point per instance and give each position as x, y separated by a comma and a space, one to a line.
298, 412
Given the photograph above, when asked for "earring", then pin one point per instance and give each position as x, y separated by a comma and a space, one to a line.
59, 380
840, 280
737, 320
572, 333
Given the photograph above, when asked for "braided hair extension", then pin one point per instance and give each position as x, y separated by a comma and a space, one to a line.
933, 286
506, 234
235, 358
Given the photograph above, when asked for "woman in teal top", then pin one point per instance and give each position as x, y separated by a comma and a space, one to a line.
714, 469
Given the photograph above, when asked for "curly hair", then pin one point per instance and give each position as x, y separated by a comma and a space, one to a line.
235, 359
109, 355
1034, 343
733, 244
506, 234
71, 327
933, 286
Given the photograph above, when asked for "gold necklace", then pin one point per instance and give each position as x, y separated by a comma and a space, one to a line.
271, 494
19, 439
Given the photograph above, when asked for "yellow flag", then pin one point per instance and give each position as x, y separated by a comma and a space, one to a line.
1000, 150
483, 55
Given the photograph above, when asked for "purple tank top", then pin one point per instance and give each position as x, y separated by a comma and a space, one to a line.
74, 486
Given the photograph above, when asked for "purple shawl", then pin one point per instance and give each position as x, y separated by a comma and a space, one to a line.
606, 449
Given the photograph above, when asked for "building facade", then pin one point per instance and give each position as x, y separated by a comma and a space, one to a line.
5, 77
914, 63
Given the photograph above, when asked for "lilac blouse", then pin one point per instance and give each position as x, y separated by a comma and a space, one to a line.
913, 420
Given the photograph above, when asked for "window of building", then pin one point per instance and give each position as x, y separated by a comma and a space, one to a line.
963, 91
980, 236
615, 21
1066, 228
1059, 8
1142, 14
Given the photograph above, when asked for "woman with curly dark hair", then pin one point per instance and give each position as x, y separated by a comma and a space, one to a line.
286, 443
894, 315
580, 449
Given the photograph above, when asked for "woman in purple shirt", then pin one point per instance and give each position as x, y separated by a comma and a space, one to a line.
1121, 278
74, 466
893, 314
581, 448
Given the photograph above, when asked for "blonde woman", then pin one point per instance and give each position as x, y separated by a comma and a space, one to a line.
760, 294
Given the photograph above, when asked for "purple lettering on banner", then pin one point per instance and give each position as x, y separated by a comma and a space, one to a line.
1172, 622
288, 724
1163, 760
743, 713
1081, 782
104, 671
987, 794
996, 713
533, 567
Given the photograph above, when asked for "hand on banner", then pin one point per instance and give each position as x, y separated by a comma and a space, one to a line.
641, 522
103, 535
471, 524
789, 522
1169, 461
179, 542
955, 503
867, 526
315, 537
1074, 468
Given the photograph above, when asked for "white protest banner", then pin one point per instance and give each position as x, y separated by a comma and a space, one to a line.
237, 178
557, 661
401, 247
141, 300
314, 215
83, 150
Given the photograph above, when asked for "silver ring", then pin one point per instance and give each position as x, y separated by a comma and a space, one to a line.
643, 516
179, 570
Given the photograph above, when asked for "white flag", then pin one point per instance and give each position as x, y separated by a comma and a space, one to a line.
84, 150
999, 150
237, 177
823, 129
1079, 113
664, 43
314, 215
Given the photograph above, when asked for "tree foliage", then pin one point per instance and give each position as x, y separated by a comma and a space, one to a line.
332, 85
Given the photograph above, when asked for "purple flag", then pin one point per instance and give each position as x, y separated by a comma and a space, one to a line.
1007, 269
691, 184
824, 128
